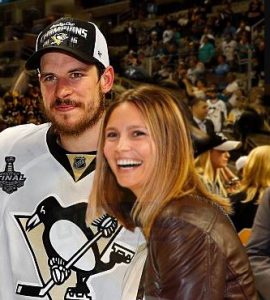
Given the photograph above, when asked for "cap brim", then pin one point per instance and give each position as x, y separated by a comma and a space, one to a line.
228, 146
33, 61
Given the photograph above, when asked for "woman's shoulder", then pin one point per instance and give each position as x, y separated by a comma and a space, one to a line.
193, 209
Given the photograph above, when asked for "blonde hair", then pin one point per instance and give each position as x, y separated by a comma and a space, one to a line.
209, 175
256, 173
173, 175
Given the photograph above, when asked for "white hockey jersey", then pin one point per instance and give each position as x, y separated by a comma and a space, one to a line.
217, 113
46, 249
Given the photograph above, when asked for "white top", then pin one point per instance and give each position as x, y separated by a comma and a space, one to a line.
217, 112
42, 211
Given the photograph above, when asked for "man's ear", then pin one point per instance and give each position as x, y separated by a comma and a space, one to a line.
107, 79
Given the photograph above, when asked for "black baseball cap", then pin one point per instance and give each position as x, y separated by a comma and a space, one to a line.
214, 141
79, 38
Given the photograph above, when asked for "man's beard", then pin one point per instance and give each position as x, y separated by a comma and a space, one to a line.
91, 117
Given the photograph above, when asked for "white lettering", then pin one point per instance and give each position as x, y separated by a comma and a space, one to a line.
74, 40
66, 28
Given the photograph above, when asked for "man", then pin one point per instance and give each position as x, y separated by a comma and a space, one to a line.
217, 110
46, 248
199, 110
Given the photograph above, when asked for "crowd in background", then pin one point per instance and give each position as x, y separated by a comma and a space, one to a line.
205, 58
203, 52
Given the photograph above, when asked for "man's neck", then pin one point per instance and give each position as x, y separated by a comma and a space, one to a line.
197, 119
85, 142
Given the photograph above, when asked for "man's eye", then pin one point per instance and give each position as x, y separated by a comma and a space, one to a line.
76, 75
48, 78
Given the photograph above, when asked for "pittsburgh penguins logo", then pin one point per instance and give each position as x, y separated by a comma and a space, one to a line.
58, 39
73, 251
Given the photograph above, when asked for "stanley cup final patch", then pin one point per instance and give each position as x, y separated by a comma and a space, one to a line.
11, 180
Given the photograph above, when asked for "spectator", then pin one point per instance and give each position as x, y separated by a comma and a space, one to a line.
131, 34
151, 9
239, 165
212, 164
243, 29
167, 34
228, 48
207, 32
225, 14
229, 29
255, 12
217, 111
199, 110
235, 112
196, 69
221, 68
244, 53
254, 182
197, 90
259, 64
207, 52
231, 87
258, 247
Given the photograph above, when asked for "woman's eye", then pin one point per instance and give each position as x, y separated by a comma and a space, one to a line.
138, 133
111, 134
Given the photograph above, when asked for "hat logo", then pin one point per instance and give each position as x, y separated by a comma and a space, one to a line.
99, 53
58, 39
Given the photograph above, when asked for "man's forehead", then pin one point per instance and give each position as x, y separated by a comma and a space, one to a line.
63, 62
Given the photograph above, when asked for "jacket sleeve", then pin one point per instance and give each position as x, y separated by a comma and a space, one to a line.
258, 247
183, 263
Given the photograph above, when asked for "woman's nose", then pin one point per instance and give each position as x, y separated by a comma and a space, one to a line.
123, 144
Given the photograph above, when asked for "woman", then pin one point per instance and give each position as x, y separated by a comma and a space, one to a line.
255, 180
145, 176
212, 165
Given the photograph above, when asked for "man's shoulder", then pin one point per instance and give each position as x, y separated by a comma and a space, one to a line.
21, 131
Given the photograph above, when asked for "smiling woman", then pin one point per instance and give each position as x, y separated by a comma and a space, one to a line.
129, 148
145, 176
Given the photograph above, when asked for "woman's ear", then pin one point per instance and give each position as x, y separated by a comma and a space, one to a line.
107, 79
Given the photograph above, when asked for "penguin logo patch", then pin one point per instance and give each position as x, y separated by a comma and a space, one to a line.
58, 39
11, 180
68, 253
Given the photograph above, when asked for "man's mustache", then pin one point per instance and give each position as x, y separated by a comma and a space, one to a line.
59, 101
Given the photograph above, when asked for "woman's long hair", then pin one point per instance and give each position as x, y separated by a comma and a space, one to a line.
256, 173
173, 174
211, 177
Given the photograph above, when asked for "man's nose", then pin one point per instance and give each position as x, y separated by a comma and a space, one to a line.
63, 88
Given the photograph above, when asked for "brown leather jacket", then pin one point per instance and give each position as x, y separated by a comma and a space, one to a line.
195, 253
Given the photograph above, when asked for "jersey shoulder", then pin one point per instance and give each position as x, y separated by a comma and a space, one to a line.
12, 135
